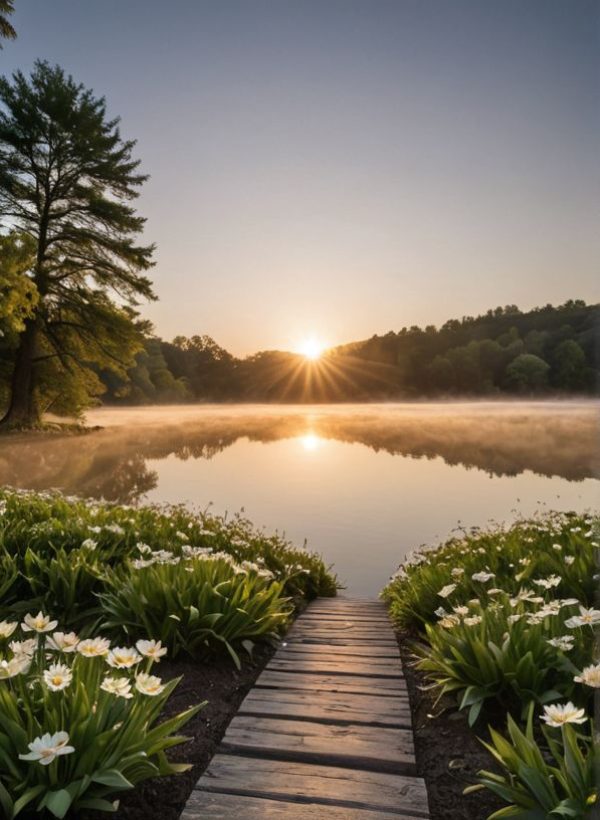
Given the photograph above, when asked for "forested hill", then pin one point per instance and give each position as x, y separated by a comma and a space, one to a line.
546, 351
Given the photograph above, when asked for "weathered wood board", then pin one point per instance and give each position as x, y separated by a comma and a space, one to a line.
304, 781
210, 806
331, 683
328, 707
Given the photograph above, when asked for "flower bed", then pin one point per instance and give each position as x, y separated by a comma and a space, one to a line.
502, 623
83, 714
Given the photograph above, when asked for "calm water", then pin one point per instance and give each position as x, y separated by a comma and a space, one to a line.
362, 484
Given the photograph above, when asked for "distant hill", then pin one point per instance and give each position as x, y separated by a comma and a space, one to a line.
545, 351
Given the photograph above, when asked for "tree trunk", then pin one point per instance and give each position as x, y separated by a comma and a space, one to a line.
22, 410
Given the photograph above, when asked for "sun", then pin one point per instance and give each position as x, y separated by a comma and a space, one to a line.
311, 348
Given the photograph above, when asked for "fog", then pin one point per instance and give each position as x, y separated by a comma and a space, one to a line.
502, 439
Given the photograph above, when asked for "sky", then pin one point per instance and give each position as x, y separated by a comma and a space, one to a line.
334, 168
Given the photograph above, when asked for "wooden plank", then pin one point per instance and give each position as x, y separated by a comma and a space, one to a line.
342, 600
352, 746
208, 806
338, 639
345, 684
344, 626
233, 774
371, 668
345, 634
293, 647
328, 707
366, 618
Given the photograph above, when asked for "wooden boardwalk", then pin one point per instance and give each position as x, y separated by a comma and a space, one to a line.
325, 732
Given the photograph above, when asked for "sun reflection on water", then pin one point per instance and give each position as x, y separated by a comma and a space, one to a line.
311, 442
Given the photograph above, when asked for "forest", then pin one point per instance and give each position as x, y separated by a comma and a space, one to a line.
545, 351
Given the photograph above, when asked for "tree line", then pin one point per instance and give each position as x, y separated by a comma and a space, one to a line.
545, 351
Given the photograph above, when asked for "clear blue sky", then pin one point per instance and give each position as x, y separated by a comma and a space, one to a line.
343, 168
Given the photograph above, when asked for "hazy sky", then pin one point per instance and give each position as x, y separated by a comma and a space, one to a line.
344, 168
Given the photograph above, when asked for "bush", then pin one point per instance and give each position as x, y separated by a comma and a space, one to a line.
78, 719
198, 603
557, 780
58, 554
503, 620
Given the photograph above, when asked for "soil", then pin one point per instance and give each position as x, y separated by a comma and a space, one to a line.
449, 755
224, 687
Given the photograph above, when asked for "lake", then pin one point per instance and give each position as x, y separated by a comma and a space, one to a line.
363, 484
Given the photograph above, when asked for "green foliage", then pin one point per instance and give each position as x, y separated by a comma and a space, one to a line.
197, 604
67, 180
110, 740
559, 779
18, 294
59, 554
505, 662
552, 544
504, 624
528, 373
7, 32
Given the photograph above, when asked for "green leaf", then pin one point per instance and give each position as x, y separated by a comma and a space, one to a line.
58, 803
112, 778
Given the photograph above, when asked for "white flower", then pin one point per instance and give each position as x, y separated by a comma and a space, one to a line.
48, 747
526, 595
440, 612
58, 676
117, 686
26, 648
590, 676
586, 617
564, 642
569, 559
548, 583
512, 619
568, 601
15, 666
473, 620
93, 647
151, 649
116, 528
63, 641
457, 572
7, 628
148, 684
449, 621
447, 590
557, 547
557, 715
89, 544
40, 623
123, 657
482, 576
461, 610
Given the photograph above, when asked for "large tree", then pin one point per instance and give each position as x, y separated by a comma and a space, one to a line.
67, 180
6, 30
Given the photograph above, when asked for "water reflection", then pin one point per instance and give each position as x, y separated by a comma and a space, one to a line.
119, 461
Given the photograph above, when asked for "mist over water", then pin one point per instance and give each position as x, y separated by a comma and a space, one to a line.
364, 484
